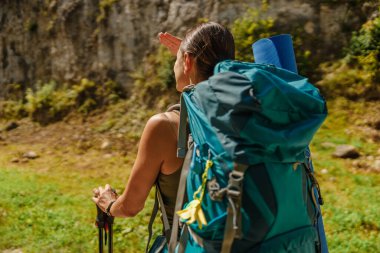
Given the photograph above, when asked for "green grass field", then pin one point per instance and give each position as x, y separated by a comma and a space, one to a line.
45, 203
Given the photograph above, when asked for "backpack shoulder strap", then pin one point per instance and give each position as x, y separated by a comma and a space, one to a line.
163, 212
158, 202
182, 131
172, 115
175, 107
179, 199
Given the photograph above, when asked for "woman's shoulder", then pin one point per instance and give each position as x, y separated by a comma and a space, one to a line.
164, 122
171, 117
165, 117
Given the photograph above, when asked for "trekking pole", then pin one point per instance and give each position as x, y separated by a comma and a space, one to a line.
109, 226
100, 224
104, 222
100, 240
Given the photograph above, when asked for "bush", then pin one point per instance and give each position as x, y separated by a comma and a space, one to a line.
104, 6
154, 81
12, 109
152, 92
88, 95
357, 75
49, 103
253, 25
364, 49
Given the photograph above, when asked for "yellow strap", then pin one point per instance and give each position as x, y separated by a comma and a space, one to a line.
193, 211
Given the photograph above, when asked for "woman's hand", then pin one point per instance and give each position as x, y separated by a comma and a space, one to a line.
103, 197
170, 42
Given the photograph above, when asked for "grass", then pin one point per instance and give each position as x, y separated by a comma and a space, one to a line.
45, 203
47, 217
46, 206
58, 217
351, 210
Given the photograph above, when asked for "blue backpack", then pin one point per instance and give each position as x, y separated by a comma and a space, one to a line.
247, 176
278, 50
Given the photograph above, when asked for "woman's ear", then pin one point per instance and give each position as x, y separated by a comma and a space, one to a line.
188, 63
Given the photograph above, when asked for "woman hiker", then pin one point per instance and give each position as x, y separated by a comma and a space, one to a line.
156, 163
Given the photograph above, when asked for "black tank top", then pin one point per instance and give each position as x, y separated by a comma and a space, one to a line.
168, 186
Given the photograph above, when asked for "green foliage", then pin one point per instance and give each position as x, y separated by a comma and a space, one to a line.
154, 81
104, 6
14, 91
306, 65
49, 103
11, 109
364, 49
30, 26
153, 91
89, 95
253, 25
367, 39
357, 75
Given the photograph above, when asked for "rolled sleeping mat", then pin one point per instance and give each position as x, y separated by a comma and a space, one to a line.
277, 50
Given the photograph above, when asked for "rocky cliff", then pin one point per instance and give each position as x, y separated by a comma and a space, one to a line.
65, 40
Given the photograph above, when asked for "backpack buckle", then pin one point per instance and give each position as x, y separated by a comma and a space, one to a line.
216, 194
235, 182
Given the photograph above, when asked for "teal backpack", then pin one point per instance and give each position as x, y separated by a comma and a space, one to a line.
247, 176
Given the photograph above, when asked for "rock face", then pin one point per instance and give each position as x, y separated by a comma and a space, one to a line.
66, 40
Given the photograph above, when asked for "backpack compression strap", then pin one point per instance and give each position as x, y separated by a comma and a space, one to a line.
232, 229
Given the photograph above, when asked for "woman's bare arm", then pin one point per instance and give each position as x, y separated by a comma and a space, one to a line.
156, 146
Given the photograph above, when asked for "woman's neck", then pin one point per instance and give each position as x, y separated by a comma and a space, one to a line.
194, 79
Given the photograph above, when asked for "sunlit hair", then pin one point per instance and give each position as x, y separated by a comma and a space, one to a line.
209, 43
